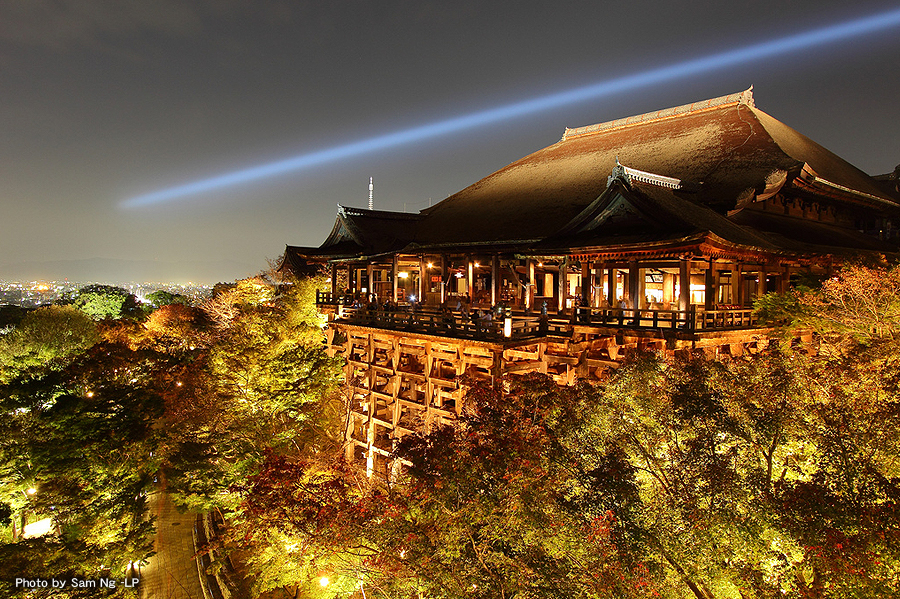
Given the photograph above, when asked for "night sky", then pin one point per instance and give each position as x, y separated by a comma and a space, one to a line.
106, 100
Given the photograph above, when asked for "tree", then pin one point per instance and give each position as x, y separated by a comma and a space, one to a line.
162, 298
77, 445
265, 381
523, 499
104, 301
43, 337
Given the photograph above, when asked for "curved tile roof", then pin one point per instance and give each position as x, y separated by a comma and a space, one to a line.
722, 146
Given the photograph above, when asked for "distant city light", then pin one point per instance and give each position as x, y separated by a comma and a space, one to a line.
754, 52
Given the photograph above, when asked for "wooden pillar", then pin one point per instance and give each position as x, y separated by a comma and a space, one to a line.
372, 401
563, 286
587, 282
470, 277
334, 291
423, 274
709, 286
495, 279
684, 284
761, 283
529, 293
783, 279
370, 277
597, 293
634, 287
395, 270
611, 289
737, 285
443, 278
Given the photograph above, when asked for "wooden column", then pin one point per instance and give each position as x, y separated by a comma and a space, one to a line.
470, 274
562, 287
709, 286
395, 270
333, 281
611, 289
737, 285
761, 283
587, 282
370, 277
443, 278
529, 293
597, 284
495, 279
783, 279
423, 273
684, 284
634, 286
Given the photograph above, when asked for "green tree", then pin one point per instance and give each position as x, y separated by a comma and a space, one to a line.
162, 298
45, 336
264, 381
104, 301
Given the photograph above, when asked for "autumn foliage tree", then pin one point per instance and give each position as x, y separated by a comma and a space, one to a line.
774, 474
259, 379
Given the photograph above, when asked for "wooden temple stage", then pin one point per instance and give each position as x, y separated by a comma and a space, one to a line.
656, 231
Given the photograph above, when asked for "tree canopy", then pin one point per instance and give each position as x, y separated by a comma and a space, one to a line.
104, 301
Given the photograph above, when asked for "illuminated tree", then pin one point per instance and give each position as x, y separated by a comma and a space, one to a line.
45, 337
265, 381
162, 298
76, 445
104, 301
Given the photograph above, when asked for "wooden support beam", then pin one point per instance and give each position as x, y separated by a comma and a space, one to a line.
470, 277
684, 284
563, 285
495, 279
634, 285
761, 284
443, 278
529, 292
395, 270
586, 283
334, 291
611, 277
709, 286
423, 274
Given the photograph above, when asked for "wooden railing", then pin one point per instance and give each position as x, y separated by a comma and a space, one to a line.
521, 325
455, 324
693, 319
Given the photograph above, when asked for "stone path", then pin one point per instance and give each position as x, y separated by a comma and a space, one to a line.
172, 572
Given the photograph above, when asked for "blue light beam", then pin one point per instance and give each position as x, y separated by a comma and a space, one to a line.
754, 52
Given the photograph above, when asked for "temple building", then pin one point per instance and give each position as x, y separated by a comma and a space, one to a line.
653, 231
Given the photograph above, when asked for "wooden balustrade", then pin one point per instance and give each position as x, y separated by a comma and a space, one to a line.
455, 324
693, 319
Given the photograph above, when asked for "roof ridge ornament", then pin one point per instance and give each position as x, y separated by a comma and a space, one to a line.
628, 175
744, 97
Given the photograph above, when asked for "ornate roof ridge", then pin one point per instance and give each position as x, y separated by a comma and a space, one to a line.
744, 97
620, 171
351, 211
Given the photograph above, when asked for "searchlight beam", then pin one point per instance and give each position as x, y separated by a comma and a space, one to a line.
755, 52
